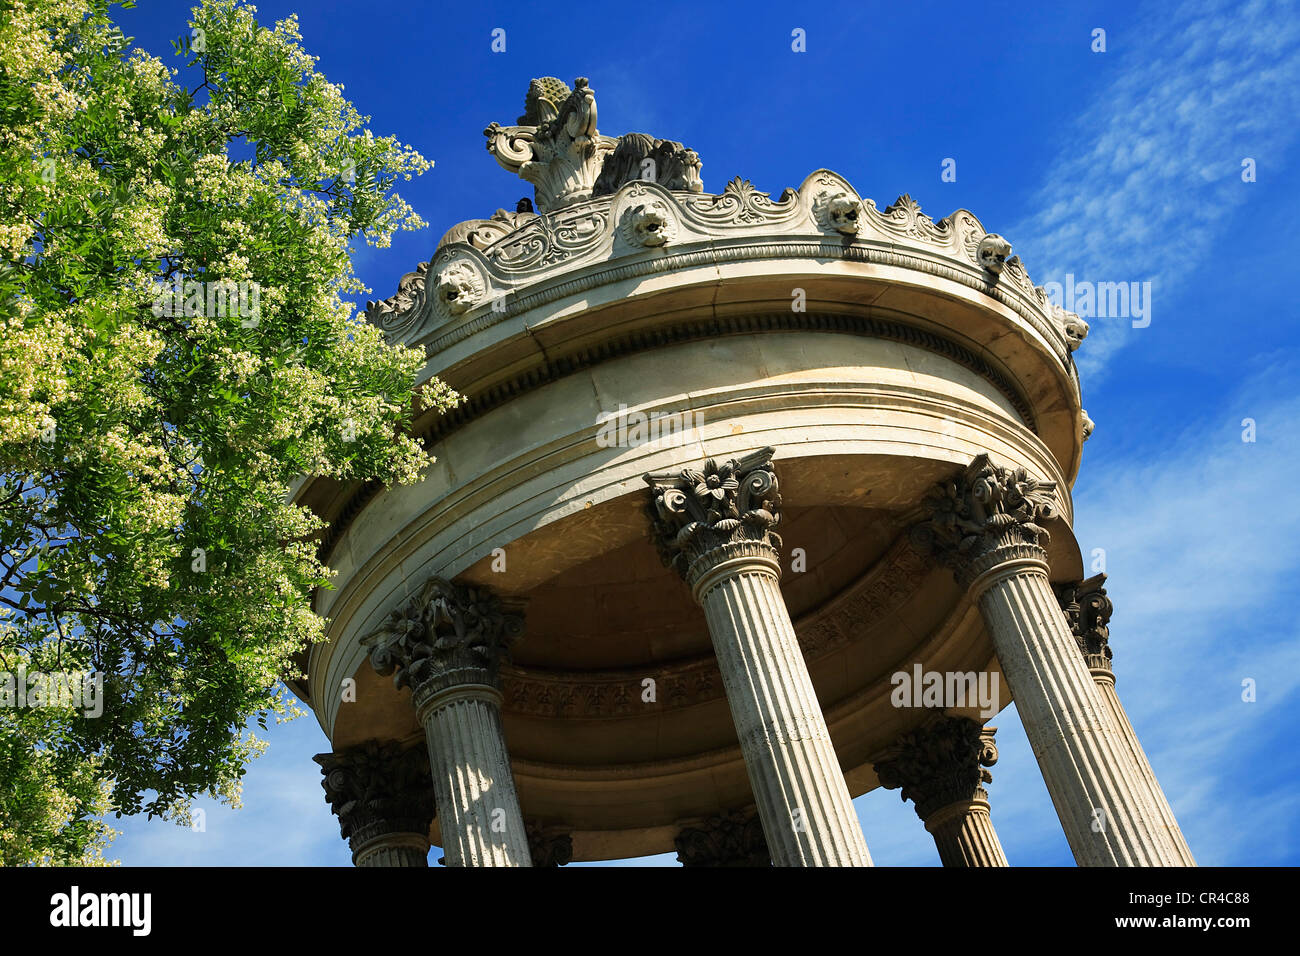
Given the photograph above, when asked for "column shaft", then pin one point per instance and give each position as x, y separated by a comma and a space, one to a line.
1141, 765
1108, 813
799, 788
478, 808
964, 835
395, 849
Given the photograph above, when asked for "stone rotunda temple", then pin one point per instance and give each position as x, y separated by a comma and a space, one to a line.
754, 505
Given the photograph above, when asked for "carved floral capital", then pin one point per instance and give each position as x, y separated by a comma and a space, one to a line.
378, 788
548, 846
940, 764
985, 516
730, 839
446, 635
702, 516
1087, 609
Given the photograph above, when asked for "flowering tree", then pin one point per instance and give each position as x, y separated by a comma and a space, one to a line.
174, 252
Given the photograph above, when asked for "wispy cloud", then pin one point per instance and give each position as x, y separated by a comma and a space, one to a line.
1202, 541
1146, 176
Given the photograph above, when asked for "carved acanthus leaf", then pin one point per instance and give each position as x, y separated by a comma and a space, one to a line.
378, 787
939, 764
444, 628
694, 512
983, 509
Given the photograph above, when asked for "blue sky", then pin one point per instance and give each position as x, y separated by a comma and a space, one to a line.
1117, 166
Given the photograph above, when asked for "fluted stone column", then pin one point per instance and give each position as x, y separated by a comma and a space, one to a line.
940, 768
730, 839
384, 800
715, 527
1087, 610
983, 526
447, 644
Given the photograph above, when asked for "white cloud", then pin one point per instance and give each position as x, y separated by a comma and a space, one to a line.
1202, 537
1146, 174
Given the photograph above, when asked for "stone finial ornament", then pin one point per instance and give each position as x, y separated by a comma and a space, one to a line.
732, 505
447, 633
939, 764
377, 788
730, 839
639, 156
983, 511
1087, 609
558, 149
992, 253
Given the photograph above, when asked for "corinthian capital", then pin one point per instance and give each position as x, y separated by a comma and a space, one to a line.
548, 846
724, 510
377, 788
730, 839
940, 764
985, 516
447, 634
1088, 608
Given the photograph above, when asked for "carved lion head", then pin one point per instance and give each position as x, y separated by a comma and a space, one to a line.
649, 225
1076, 330
459, 288
843, 212
992, 252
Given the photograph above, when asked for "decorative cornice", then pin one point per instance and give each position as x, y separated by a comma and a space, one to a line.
701, 518
528, 262
939, 764
731, 839
446, 635
548, 846
986, 517
1088, 609
377, 788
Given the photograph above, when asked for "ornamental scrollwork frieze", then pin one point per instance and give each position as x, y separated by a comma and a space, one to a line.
399, 314
741, 205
